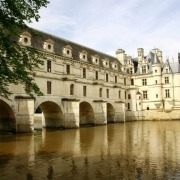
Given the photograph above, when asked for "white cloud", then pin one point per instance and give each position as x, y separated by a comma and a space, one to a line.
111, 24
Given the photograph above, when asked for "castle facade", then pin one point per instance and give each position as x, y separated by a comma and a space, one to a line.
84, 86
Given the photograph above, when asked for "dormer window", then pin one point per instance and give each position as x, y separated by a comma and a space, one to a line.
48, 45
67, 51
115, 65
83, 55
95, 59
25, 39
143, 69
106, 62
167, 70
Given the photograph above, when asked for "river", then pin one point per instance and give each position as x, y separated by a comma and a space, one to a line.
134, 150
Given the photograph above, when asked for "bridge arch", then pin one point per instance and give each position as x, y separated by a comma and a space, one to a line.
110, 113
7, 118
86, 114
50, 115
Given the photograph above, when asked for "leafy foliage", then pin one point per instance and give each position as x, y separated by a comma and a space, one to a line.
17, 62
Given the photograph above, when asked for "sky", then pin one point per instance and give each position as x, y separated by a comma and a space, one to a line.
108, 25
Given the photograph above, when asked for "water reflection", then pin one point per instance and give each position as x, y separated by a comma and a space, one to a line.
134, 150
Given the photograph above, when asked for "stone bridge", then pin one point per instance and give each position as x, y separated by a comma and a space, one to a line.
20, 114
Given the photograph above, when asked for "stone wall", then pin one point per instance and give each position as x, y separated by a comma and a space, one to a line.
153, 115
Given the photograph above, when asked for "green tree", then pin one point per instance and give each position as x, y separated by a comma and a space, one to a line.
17, 62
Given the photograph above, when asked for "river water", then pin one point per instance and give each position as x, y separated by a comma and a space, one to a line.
133, 150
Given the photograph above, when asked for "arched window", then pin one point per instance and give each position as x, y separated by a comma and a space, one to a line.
72, 89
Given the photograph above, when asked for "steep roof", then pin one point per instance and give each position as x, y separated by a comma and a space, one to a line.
152, 58
175, 67
59, 43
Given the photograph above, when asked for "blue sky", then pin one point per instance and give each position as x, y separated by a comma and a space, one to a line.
108, 25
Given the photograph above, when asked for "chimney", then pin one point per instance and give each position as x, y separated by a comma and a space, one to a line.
120, 54
159, 54
140, 52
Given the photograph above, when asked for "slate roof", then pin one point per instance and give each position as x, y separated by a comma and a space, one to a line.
175, 67
152, 58
59, 43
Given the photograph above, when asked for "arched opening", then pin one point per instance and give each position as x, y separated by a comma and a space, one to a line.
48, 115
86, 114
110, 113
7, 118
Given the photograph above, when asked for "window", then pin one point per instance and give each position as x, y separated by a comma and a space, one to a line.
155, 70
115, 79
167, 93
95, 59
124, 81
48, 66
84, 90
107, 93
67, 51
128, 106
144, 82
25, 40
84, 72
143, 69
145, 96
167, 70
129, 96
132, 81
130, 71
49, 46
96, 75
27, 87
72, 89
166, 79
83, 55
100, 92
119, 94
107, 78
124, 94
156, 95
155, 81
68, 69
48, 87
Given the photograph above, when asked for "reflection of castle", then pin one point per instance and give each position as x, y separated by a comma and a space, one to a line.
132, 149
84, 86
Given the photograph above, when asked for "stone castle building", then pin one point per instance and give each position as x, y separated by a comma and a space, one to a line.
82, 86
